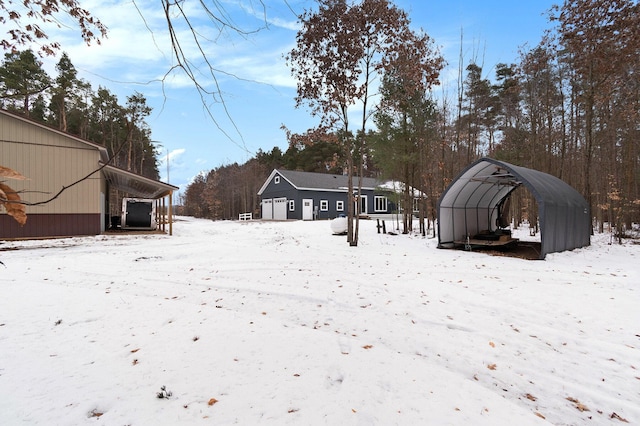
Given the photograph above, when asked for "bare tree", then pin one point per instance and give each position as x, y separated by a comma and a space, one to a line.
603, 40
339, 55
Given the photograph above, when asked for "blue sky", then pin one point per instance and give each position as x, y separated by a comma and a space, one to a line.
259, 90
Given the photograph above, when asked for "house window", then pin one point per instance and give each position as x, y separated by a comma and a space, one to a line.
340, 206
276, 180
380, 203
324, 205
292, 205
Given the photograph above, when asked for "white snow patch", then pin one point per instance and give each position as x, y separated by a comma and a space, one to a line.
284, 323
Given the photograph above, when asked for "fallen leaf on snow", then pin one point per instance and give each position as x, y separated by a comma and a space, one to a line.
617, 417
531, 397
212, 401
367, 346
491, 366
96, 413
580, 406
539, 415
493, 345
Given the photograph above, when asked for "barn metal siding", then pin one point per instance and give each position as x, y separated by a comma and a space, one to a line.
50, 225
53, 160
50, 160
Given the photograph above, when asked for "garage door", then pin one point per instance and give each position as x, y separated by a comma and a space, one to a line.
267, 209
280, 208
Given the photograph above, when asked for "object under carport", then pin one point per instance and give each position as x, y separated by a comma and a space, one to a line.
138, 213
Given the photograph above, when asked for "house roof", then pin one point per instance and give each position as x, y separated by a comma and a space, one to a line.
319, 181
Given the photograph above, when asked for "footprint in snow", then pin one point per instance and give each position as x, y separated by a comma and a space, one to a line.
344, 344
335, 377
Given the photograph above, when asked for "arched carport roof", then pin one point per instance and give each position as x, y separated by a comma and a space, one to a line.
469, 205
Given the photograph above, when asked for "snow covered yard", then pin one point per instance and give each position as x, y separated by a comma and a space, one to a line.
283, 323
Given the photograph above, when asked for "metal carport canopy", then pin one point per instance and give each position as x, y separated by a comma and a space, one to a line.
137, 185
468, 205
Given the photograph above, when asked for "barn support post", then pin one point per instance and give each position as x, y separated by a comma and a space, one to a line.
170, 213
158, 213
164, 215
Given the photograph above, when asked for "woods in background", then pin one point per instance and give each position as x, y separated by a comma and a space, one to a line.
569, 106
70, 104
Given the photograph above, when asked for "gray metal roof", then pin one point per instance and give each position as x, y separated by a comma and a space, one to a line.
323, 181
137, 185
468, 205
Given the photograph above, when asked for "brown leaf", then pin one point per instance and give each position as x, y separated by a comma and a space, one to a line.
10, 174
578, 404
493, 345
212, 401
539, 415
617, 417
367, 346
531, 397
95, 413
582, 407
491, 366
13, 205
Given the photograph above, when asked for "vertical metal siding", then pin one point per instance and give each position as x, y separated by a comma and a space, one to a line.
50, 161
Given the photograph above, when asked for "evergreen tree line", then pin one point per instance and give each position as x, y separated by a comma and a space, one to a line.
569, 107
71, 105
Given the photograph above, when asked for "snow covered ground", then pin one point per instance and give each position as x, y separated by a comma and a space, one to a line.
283, 323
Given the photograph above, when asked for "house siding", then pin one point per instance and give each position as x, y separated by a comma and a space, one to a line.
284, 189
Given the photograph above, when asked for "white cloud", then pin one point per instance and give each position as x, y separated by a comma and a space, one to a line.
174, 154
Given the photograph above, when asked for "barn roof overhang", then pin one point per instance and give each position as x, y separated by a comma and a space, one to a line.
136, 185
470, 205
